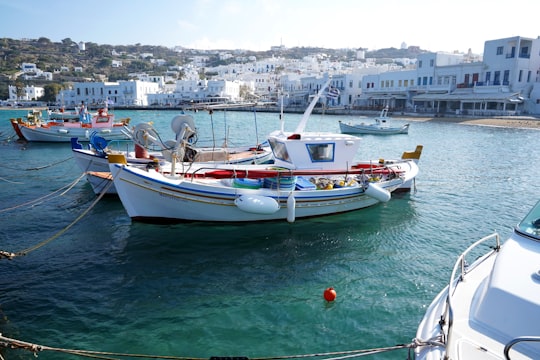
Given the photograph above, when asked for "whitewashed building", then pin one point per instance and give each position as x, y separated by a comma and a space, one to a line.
198, 91
122, 93
27, 93
504, 82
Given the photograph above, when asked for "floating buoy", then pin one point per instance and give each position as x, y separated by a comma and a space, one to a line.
291, 208
330, 294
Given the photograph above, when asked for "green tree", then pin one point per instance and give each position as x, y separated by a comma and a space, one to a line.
51, 90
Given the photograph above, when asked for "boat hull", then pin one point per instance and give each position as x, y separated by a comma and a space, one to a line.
64, 134
492, 303
372, 129
152, 197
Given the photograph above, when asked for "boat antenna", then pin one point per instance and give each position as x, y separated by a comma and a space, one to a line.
256, 127
303, 122
281, 113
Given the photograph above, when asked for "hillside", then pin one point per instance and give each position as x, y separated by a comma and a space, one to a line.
96, 60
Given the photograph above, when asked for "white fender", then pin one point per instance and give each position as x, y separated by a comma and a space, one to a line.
257, 204
377, 192
291, 208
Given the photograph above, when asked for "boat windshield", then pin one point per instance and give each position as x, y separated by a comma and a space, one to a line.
530, 225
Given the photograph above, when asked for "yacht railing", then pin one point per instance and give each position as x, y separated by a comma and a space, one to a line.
462, 268
516, 341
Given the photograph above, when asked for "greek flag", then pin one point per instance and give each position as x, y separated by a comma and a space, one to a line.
332, 93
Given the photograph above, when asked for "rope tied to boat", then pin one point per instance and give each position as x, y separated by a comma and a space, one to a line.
11, 255
340, 355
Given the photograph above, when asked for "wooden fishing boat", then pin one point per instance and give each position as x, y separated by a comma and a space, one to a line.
314, 174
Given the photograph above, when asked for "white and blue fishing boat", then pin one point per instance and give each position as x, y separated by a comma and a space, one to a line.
314, 174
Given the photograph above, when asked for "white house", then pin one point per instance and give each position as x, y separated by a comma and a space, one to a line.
28, 93
124, 93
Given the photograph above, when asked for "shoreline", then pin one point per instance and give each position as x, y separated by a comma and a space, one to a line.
523, 122
509, 122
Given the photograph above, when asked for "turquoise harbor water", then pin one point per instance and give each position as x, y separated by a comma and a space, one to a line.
255, 290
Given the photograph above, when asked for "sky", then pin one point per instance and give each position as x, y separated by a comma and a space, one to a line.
433, 25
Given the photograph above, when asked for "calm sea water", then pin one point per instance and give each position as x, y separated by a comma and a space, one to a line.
256, 290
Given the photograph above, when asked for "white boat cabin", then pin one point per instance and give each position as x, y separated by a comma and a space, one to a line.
318, 151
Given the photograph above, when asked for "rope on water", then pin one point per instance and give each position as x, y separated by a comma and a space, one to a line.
11, 255
11, 182
41, 167
35, 348
63, 190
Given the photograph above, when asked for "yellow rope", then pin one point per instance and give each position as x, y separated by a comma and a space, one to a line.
66, 188
10, 255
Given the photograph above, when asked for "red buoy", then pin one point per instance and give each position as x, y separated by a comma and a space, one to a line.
330, 294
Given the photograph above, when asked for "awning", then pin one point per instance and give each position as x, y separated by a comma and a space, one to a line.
382, 97
471, 97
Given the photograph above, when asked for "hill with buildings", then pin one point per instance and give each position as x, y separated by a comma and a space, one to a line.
69, 61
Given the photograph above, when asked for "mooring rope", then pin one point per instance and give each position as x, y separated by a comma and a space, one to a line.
11, 255
40, 167
50, 195
35, 348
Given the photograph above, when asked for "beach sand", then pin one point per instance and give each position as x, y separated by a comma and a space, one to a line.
513, 122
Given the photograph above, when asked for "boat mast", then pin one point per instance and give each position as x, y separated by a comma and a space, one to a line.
301, 126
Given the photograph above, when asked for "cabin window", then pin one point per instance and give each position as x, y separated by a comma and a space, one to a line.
530, 225
280, 150
321, 152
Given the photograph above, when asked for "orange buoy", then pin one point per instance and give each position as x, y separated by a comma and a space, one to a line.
330, 294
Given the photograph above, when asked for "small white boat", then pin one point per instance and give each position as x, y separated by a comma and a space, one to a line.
379, 126
314, 174
103, 123
93, 160
491, 307
63, 114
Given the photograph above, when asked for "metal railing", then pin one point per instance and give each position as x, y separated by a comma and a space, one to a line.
517, 341
463, 269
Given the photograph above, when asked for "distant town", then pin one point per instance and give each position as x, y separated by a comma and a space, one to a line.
503, 81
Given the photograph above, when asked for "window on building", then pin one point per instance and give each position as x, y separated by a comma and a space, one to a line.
497, 78
529, 76
431, 63
499, 50
520, 75
506, 77
488, 77
406, 83
382, 84
420, 64
400, 83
